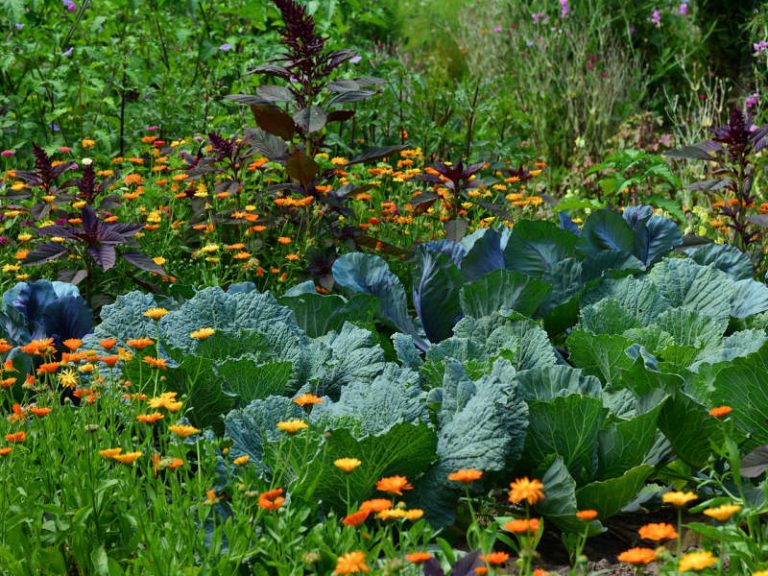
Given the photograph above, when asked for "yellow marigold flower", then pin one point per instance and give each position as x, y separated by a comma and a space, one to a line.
25, 237
127, 458
347, 464
307, 399
68, 379
242, 460
159, 260
166, 400
283, 240
760, 573
87, 143
414, 514
351, 563
722, 513
183, 431
149, 418
292, 426
525, 489
391, 514
696, 561
202, 334
679, 499
110, 452
338, 161
155, 313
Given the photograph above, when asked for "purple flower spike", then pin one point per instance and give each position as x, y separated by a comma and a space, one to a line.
225, 47
656, 18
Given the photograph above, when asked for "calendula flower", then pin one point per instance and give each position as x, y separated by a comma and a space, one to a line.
40, 412
375, 505
418, 557
48, 368
68, 379
679, 499
156, 313
637, 556
157, 363
722, 513
525, 489
696, 561
414, 514
356, 518
720, 411
110, 452
465, 475
183, 431
150, 418
272, 499
16, 437
351, 563
166, 400
284, 240
241, 460
495, 558
292, 426
307, 399
657, 532
128, 457
139, 343
586, 515
108, 343
73, 343
347, 464
5, 451
522, 526
202, 334
393, 485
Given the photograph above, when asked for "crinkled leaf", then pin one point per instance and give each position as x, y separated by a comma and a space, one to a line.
608, 497
724, 257
503, 290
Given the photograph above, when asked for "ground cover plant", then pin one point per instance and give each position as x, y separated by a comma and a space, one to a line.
301, 288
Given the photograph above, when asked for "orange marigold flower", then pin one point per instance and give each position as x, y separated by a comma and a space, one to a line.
241, 460
40, 412
8, 366
150, 418
158, 363
111, 360
495, 558
393, 485
481, 571
356, 518
351, 563
679, 499
418, 557
48, 368
696, 561
307, 399
525, 489
140, 343
376, 505
4, 346
6, 383
586, 515
272, 499
108, 343
73, 343
110, 452
16, 437
722, 513
465, 475
522, 526
720, 411
637, 556
284, 240
5, 451
657, 532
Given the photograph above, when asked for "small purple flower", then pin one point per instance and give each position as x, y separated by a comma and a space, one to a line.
530, 43
4, 240
564, 8
656, 17
539, 17
683, 8
68, 51
760, 46
7, 153
225, 47
70, 6
752, 100
355, 59
54, 127
199, 139
19, 26
497, 29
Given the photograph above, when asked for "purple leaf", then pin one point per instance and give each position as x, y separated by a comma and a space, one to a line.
44, 253
104, 255
143, 262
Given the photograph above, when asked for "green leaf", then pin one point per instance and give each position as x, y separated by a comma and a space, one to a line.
684, 283
253, 381
501, 290
559, 503
606, 230
638, 297
689, 428
724, 257
554, 381
626, 443
436, 284
125, 318
535, 247
567, 427
608, 497
602, 355
317, 314
690, 328
742, 387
